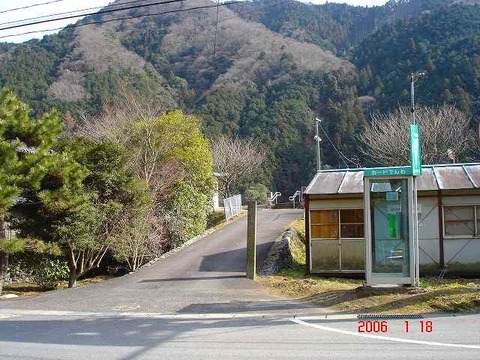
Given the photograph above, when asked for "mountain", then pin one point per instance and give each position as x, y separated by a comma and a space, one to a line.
240, 77
264, 70
445, 43
336, 27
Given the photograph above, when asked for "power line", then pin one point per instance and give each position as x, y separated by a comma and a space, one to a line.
31, 6
216, 32
70, 12
105, 11
122, 18
343, 157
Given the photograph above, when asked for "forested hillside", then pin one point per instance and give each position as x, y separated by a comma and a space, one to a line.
337, 27
264, 70
444, 43
249, 82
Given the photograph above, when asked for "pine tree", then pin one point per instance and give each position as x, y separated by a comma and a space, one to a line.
25, 155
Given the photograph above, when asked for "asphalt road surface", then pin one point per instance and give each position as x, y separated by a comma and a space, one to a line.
197, 304
206, 277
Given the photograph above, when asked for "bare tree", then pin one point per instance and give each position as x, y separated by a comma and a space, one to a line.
130, 122
446, 136
235, 160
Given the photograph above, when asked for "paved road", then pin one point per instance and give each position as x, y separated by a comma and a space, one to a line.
197, 304
128, 338
207, 277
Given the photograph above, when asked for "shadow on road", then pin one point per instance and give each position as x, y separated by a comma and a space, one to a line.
233, 260
194, 278
141, 334
242, 307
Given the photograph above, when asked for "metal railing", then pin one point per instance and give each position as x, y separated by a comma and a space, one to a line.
274, 197
232, 206
292, 198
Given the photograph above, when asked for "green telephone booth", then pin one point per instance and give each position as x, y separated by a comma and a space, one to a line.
389, 229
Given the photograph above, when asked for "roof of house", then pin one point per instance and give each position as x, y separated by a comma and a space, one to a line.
434, 177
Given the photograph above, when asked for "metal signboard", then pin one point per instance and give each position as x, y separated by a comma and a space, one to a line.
389, 172
415, 150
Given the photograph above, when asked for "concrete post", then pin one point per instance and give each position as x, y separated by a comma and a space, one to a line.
252, 240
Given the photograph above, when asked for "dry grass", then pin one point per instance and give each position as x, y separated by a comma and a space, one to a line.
350, 296
25, 289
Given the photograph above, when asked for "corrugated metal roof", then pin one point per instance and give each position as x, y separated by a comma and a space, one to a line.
326, 183
434, 177
474, 173
427, 181
352, 183
451, 178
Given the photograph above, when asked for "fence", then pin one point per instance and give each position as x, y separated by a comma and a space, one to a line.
232, 206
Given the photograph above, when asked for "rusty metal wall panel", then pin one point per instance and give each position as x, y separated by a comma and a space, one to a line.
353, 254
325, 256
352, 183
452, 178
427, 180
474, 173
327, 183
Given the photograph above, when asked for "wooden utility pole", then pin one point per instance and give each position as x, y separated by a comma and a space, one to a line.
252, 240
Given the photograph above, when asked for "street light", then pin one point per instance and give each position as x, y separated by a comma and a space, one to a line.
318, 139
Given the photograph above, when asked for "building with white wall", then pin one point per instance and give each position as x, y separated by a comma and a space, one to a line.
449, 221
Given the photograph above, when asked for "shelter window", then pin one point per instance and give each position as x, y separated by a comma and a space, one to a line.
462, 221
324, 224
351, 224
335, 224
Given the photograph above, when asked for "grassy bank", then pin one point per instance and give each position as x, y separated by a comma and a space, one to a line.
349, 295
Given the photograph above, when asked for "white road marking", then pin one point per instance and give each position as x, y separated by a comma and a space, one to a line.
387, 338
6, 316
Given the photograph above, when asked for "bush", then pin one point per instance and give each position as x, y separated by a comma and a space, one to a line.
257, 193
215, 218
35, 261
44, 271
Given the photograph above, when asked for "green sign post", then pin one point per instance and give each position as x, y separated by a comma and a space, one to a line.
415, 150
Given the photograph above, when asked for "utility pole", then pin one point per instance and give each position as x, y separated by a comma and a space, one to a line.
416, 240
252, 240
319, 140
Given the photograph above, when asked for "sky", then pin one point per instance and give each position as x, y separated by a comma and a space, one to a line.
60, 6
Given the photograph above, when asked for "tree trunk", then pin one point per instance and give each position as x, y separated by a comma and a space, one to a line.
72, 267
3, 255
72, 281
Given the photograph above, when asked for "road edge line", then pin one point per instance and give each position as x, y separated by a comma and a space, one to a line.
386, 338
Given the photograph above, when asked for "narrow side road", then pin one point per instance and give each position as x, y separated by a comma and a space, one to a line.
206, 277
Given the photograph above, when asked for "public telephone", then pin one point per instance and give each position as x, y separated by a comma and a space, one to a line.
388, 230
